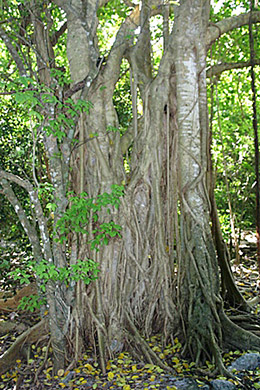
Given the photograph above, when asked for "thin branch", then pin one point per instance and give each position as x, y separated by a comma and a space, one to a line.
5, 21
129, 3
34, 138
215, 70
13, 52
65, 5
121, 44
27, 185
27, 226
21, 90
17, 180
75, 88
215, 30
57, 34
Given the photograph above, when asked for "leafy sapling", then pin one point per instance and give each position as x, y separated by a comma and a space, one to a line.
77, 217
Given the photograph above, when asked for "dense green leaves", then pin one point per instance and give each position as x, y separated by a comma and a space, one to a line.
84, 210
233, 138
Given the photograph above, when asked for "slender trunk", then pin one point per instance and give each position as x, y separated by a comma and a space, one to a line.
253, 87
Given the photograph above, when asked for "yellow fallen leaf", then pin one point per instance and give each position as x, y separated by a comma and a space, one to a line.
110, 375
134, 368
89, 367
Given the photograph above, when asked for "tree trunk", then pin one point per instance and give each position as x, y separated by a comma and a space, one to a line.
164, 270
134, 291
204, 323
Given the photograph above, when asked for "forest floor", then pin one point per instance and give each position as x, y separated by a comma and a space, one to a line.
34, 370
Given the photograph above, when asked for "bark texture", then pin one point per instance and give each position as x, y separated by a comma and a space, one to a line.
134, 290
204, 323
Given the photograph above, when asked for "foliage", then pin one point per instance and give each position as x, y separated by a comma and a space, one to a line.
76, 219
236, 151
41, 97
31, 303
15, 157
82, 209
15, 253
45, 272
122, 97
34, 101
233, 138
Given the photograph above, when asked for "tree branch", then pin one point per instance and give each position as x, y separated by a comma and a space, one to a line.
103, 2
129, 3
27, 185
62, 4
28, 227
13, 52
215, 70
16, 179
121, 44
65, 5
57, 34
228, 24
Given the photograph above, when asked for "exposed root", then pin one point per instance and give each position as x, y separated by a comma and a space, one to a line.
10, 326
236, 337
148, 353
247, 321
12, 303
30, 336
